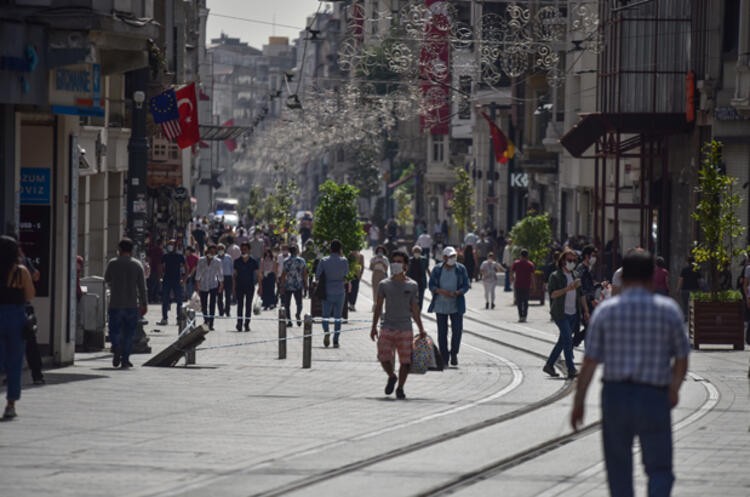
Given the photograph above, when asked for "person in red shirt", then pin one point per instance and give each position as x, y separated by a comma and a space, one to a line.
661, 277
522, 273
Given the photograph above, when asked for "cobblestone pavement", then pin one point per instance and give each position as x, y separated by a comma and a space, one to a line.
241, 421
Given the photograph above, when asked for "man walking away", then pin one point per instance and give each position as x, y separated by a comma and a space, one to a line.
401, 296
449, 282
127, 289
173, 268
418, 271
246, 274
227, 270
335, 267
210, 281
640, 338
522, 274
359, 259
293, 283
488, 270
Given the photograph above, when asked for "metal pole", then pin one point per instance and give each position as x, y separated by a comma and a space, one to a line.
491, 174
282, 332
307, 342
137, 161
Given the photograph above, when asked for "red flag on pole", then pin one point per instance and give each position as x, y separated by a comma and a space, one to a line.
503, 147
188, 107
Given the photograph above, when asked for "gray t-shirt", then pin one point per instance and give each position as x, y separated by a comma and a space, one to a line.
127, 285
399, 298
336, 268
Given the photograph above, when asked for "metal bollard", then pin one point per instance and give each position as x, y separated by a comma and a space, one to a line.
282, 333
307, 342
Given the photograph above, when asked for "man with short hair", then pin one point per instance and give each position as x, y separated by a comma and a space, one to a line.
209, 279
246, 274
293, 283
173, 269
449, 282
227, 269
424, 241
640, 338
401, 296
335, 267
522, 275
127, 293
257, 245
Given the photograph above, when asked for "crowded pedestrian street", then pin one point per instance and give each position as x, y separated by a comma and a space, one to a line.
241, 422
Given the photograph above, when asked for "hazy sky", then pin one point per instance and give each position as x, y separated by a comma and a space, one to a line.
287, 12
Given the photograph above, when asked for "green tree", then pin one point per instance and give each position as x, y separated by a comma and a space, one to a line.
716, 213
463, 201
404, 197
255, 203
337, 217
281, 203
365, 173
533, 233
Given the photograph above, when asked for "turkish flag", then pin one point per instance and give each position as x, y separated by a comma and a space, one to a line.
188, 107
503, 147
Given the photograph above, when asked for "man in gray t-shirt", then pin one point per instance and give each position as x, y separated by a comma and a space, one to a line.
335, 267
401, 296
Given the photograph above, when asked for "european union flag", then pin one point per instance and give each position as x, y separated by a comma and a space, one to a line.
165, 112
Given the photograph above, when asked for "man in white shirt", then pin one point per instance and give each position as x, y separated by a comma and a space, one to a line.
209, 277
425, 243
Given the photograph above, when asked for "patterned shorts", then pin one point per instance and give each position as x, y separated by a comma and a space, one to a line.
390, 341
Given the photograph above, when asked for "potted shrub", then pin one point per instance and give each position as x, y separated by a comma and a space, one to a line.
534, 233
336, 217
716, 316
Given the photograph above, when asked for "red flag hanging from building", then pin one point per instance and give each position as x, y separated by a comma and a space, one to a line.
188, 107
504, 148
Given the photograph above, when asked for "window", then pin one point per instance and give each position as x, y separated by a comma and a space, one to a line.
438, 145
375, 16
464, 102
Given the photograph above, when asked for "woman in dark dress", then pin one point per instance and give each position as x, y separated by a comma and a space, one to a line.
268, 288
470, 261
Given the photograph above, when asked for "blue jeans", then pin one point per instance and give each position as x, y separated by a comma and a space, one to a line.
167, 289
122, 325
564, 342
333, 306
12, 320
457, 327
630, 409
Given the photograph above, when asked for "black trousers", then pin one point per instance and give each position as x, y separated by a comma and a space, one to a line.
522, 302
244, 303
286, 301
352, 297
207, 302
225, 297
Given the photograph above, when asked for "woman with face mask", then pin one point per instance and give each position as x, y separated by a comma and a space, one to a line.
566, 299
379, 267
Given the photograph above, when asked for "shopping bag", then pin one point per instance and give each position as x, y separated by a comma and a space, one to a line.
195, 302
423, 355
437, 359
256, 308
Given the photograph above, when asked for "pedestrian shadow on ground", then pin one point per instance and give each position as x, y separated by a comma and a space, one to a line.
52, 378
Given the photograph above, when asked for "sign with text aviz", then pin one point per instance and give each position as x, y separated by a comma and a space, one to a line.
36, 186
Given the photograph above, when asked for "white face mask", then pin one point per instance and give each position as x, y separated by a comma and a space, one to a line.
245, 255
170, 248
379, 252
451, 261
592, 260
209, 256
221, 252
570, 265
397, 268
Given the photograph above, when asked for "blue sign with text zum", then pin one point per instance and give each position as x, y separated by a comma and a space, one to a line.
36, 186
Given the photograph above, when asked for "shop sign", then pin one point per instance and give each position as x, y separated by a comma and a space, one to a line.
519, 180
77, 90
36, 185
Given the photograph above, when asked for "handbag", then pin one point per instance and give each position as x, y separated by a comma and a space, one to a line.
424, 356
320, 287
30, 326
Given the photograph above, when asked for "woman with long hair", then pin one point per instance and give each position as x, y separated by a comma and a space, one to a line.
268, 287
16, 288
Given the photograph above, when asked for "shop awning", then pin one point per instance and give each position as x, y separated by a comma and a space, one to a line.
212, 132
593, 126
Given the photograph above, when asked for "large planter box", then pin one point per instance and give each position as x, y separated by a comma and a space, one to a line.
717, 323
538, 288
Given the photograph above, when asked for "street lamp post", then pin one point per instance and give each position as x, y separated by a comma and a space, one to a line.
137, 159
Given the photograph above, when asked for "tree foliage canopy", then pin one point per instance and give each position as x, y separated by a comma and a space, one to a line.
533, 233
463, 200
716, 213
336, 217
